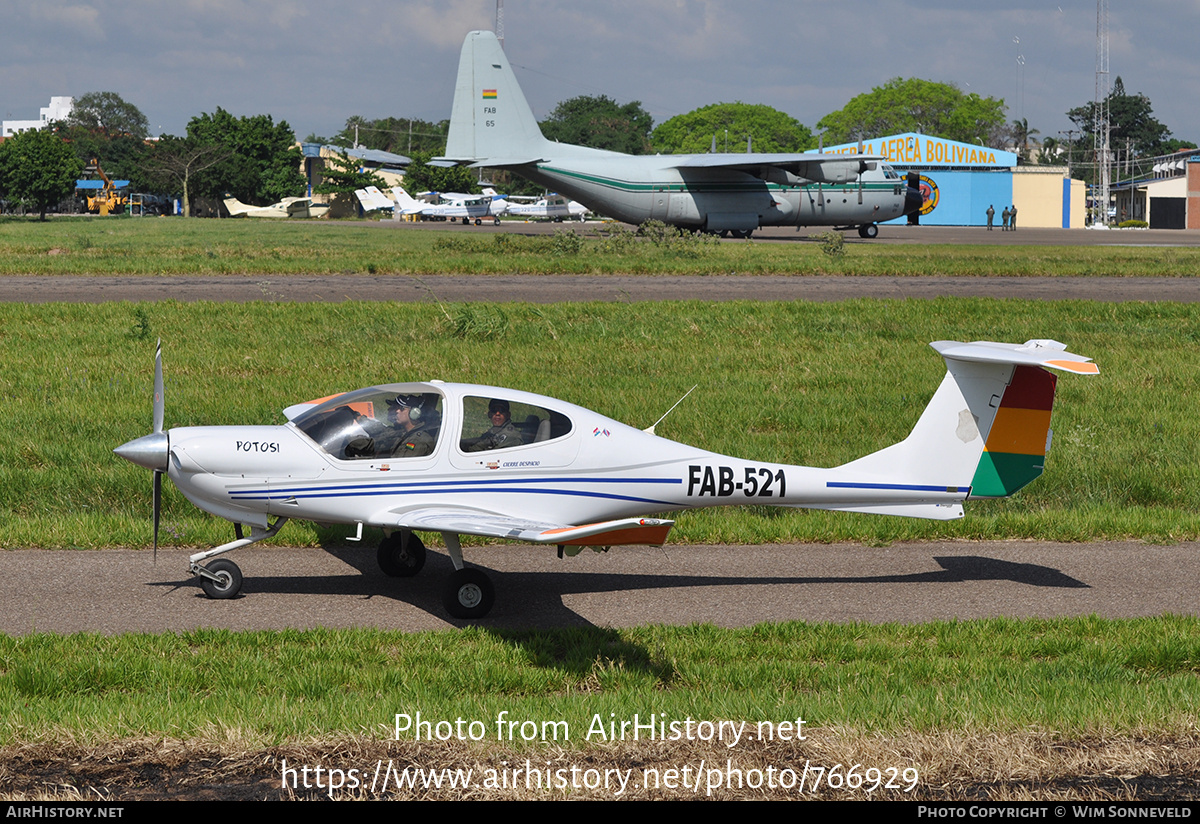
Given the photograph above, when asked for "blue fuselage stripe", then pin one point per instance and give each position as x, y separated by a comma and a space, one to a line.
905, 487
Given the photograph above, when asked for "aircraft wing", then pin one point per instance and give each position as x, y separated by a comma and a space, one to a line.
487, 162
814, 166
648, 531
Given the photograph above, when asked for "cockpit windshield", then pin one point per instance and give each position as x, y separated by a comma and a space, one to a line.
889, 172
375, 423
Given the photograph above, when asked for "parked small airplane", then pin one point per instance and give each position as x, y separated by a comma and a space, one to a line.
492, 126
373, 200
470, 207
295, 208
551, 207
461, 459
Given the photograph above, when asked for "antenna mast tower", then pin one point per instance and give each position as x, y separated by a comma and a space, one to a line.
1100, 123
500, 23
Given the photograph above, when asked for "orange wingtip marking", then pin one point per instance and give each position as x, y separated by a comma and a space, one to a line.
649, 535
1075, 366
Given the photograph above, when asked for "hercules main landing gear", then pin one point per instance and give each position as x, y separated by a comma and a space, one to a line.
868, 230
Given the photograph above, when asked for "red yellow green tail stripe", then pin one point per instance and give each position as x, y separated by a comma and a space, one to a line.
1015, 451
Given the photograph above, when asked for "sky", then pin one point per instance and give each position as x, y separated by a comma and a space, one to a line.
316, 64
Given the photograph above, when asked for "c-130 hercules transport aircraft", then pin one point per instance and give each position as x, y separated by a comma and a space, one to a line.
492, 126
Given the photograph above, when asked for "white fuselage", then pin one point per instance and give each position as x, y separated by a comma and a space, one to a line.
601, 470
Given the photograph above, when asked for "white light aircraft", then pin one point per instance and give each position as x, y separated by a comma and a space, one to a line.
492, 126
551, 207
296, 208
460, 459
470, 207
373, 200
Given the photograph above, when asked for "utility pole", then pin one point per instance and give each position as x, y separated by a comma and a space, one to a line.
1070, 133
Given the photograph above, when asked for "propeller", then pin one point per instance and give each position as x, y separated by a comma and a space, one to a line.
152, 451
860, 171
159, 410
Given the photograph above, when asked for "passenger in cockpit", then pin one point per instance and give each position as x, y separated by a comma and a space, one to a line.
502, 434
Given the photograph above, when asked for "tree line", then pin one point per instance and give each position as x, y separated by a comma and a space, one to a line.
255, 159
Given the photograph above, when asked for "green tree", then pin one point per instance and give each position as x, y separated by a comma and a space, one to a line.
262, 164
600, 122
914, 105
1131, 123
1020, 134
394, 134
175, 161
770, 130
121, 156
109, 114
343, 175
37, 165
420, 178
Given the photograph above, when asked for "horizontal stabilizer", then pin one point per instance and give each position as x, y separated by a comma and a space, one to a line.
1048, 353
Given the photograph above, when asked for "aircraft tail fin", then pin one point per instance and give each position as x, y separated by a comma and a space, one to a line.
987, 429
406, 202
235, 207
490, 117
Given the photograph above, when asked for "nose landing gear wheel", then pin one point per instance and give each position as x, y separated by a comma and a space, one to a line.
469, 594
228, 581
399, 558
868, 231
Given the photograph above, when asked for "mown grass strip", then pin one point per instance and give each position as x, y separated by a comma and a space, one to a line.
1074, 676
164, 246
812, 384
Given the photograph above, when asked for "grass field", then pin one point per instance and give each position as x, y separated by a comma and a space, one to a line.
1078, 677
989, 709
165, 246
811, 384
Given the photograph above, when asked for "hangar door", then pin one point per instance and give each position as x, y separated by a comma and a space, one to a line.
1168, 213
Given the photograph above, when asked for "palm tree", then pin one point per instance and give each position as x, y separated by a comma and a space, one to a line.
1021, 134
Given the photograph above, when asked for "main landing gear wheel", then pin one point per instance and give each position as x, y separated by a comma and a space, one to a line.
868, 231
469, 594
495, 221
228, 583
399, 558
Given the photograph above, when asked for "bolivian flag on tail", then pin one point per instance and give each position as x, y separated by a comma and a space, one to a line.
489, 94
1015, 451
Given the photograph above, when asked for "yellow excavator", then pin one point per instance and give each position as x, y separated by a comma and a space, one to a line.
108, 199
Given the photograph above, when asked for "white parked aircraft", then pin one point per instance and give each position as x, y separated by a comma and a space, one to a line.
460, 459
373, 200
491, 125
551, 207
295, 208
470, 207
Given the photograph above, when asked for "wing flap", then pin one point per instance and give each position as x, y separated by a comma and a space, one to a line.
647, 531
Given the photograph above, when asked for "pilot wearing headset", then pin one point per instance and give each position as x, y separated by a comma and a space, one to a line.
413, 437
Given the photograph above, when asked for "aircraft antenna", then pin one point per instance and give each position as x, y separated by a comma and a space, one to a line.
669, 411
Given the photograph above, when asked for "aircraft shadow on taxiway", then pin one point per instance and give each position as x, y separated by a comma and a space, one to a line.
535, 599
